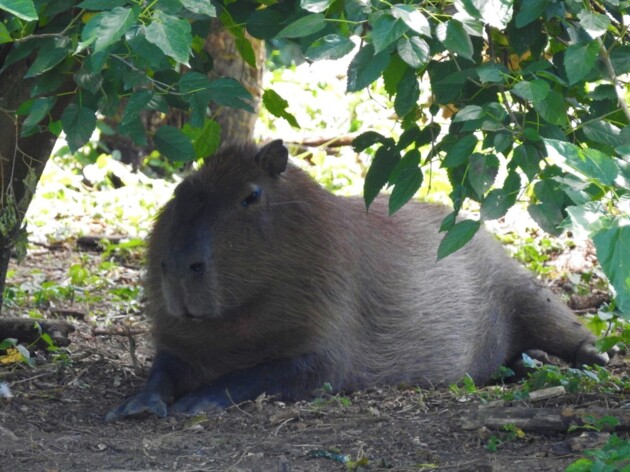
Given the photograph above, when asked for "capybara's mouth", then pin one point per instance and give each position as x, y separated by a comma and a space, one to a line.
190, 316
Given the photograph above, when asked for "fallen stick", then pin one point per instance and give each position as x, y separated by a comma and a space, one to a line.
23, 329
542, 419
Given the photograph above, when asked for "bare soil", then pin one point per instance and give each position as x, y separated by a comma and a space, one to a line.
54, 419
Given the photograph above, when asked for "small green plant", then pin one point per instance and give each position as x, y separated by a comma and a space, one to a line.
78, 274
129, 250
511, 433
329, 399
464, 386
535, 253
587, 379
614, 456
16, 352
596, 424
50, 290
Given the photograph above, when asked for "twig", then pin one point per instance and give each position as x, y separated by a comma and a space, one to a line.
613, 78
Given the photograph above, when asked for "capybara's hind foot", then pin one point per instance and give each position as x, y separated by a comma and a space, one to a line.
587, 354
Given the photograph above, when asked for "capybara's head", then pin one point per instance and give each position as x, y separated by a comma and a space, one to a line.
210, 248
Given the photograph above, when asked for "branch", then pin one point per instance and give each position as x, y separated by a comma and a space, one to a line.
613, 78
541, 419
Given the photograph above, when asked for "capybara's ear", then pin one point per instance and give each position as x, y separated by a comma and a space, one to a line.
273, 157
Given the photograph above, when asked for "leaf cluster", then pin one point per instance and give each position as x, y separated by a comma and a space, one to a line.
101, 52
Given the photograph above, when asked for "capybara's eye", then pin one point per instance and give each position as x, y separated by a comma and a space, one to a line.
252, 197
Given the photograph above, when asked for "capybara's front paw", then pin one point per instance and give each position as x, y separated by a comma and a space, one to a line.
197, 402
143, 402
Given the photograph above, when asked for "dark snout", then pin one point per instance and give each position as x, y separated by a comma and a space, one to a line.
189, 258
187, 280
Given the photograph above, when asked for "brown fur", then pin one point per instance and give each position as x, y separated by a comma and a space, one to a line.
302, 271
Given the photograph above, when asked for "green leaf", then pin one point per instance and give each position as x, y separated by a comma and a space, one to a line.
595, 24
534, 91
410, 161
603, 132
460, 151
455, 38
78, 123
553, 109
461, 232
200, 7
406, 186
386, 30
580, 465
549, 191
384, 162
408, 93
265, 23
414, 51
579, 59
304, 26
496, 13
548, 216
88, 80
367, 139
135, 130
230, 92
597, 165
332, 46
482, 171
39, 110
592, 163
527, 157
101, 4
24, 9
107, 27
47, 58
224, 91
171, 34
612, 244
393, 73
136, 103
366, 67
315, 6
174, 144
495, 205
5, 36
470, 112
491, 73
208, 140
277, 106
244, 47
530, 10
413, 18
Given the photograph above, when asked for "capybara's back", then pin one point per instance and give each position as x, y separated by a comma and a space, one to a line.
260, 280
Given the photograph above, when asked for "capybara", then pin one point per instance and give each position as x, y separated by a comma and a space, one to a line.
259, 280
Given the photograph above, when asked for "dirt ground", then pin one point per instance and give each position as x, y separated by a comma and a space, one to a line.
54, 418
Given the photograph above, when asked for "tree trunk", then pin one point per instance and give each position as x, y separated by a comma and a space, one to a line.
22, 160
236, 125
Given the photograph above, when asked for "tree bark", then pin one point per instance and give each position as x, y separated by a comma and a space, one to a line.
22, 160
236, 125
